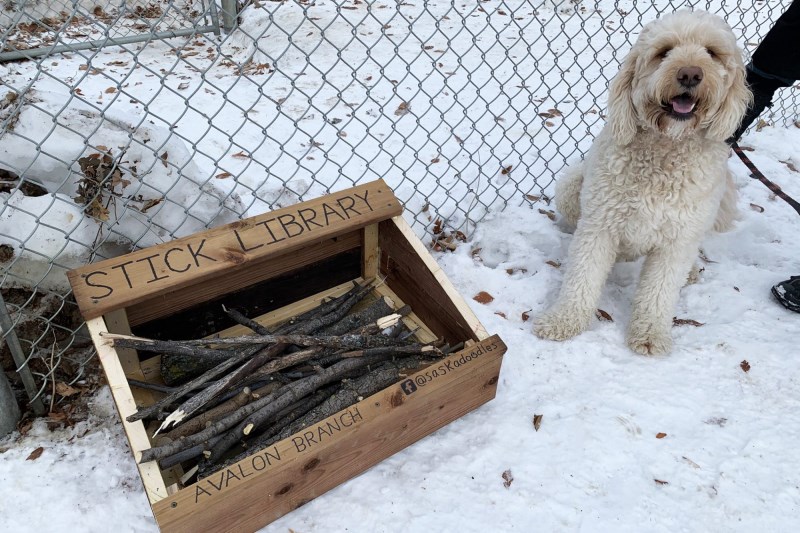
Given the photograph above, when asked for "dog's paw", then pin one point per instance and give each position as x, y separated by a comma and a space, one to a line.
649, 340
557, 326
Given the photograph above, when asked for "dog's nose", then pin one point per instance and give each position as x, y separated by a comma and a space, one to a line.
690, 76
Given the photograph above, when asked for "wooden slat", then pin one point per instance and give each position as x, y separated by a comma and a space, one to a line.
168, 303
132, 278
369, 252
270, 483
416, 277
126, 405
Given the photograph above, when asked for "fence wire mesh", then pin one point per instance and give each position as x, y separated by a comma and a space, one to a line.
461, 106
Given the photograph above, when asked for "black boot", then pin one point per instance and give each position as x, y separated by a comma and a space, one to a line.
788, 293
763, 90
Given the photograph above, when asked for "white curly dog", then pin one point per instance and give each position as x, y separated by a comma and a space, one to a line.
656, 180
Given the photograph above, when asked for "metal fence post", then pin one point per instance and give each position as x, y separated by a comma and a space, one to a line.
20, 359
9, 410
229, 15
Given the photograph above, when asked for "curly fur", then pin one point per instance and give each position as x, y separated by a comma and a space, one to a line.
655, 181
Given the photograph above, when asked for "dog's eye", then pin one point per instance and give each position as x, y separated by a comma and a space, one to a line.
712, 53
663, 53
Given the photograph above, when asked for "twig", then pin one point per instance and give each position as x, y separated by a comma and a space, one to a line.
270, 403
193, 384
150, 386
246, 322
200, 421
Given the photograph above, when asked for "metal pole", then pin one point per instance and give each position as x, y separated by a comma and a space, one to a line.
229, 15
9, 410
110, 41
10, 336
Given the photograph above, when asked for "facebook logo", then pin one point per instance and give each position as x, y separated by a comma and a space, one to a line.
408, 386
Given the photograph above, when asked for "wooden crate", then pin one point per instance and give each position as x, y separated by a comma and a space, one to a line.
277, 265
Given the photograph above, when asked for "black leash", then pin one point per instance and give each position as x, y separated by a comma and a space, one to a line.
755, 173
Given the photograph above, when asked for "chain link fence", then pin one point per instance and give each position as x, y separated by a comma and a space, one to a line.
124, 124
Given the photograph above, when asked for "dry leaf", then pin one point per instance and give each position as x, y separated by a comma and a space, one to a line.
745, 365
736, 288
402, 109
507, 478
164, 158
602, 315
757, 208
533, 197
151, 203
660, 435
660, 482
111, 90
686, 322
554, 264
62, 389
223, 175
526, 315
549, 124
35, 454
483, 297
549, 213
537, 421
183, 86
241, 155
502, 314
435, 160
506, 170
437, 226
790, 166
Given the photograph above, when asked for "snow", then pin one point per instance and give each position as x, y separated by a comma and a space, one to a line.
728, 459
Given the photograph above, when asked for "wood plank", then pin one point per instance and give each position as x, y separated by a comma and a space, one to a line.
126, 405
275, 282
138, 276
170, 302
117, 322
370, 255
416, 278
270, 483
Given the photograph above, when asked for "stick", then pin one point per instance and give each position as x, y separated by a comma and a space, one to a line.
294, 411
150, 386
275, 401
347, 341
379, 308
191, 385
200, 421
247, 322
193, 404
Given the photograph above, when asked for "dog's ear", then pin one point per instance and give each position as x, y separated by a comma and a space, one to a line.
621, 112
730, 113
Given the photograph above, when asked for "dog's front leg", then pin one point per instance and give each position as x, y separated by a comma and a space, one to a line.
663, 275
591, 256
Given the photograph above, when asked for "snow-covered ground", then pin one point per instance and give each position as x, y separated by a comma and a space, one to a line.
684, 442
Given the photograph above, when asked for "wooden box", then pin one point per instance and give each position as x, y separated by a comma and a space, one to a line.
278, 265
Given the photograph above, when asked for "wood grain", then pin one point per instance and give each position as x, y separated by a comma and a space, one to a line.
418, 280
126, 405
252, 493
138, 276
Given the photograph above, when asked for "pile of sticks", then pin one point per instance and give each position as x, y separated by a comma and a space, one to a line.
255, 390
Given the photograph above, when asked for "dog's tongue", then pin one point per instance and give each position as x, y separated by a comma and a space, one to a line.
681, 104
